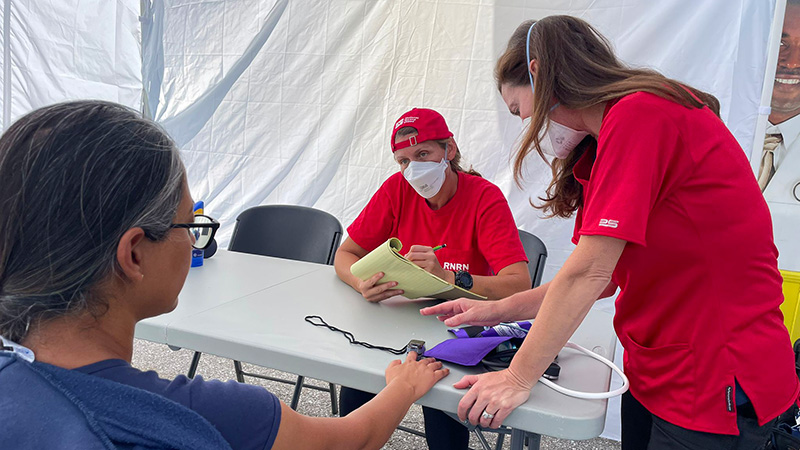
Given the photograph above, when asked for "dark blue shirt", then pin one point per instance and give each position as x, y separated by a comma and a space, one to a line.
247, 416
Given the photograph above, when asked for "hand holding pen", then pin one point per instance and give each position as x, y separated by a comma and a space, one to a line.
424, 256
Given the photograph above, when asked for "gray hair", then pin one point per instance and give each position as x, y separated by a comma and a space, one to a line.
74, 177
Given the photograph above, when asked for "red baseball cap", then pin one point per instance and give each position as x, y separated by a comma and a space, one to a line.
430, 125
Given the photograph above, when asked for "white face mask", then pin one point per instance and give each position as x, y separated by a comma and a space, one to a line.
426, 177
562, 139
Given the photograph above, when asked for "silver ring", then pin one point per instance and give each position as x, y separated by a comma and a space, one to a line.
487, 416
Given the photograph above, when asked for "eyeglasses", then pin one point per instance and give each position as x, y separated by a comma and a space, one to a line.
203, 229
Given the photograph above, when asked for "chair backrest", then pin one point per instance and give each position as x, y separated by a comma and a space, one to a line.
536, 252
287, 231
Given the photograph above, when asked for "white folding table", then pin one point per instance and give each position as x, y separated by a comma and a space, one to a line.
261, 321
221, 279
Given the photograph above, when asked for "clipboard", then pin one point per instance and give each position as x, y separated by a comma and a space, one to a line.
415, 281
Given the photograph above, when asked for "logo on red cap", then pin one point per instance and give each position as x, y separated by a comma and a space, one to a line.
404, 121
430, 125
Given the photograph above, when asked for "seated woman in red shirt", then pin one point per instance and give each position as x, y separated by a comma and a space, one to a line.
431, 201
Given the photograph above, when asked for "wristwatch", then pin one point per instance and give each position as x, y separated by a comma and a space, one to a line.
463, 279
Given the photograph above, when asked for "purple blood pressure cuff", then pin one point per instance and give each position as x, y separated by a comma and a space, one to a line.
472, 344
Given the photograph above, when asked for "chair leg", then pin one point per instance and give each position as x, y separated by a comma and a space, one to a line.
500, 438
521, 439
484, 443
298, 388
334, 400
237, 367
193, 365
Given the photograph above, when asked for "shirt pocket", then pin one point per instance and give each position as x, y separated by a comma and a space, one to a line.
663, 375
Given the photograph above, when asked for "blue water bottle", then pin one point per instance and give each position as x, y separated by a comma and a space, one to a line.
197, 255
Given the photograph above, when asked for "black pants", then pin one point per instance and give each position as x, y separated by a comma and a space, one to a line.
641, 430
442, 431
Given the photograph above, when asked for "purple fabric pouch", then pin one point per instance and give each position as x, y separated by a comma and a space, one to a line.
467, 352
472, 344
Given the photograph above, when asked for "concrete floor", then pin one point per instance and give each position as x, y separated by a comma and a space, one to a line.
169, 364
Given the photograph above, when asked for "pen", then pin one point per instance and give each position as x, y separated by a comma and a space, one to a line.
439, 247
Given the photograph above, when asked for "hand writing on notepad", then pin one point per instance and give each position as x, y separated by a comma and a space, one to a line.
424, 256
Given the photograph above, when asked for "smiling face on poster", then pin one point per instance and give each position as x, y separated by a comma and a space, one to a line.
778, 171
786, 90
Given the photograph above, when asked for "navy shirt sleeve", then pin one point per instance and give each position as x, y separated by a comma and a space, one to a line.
247, 416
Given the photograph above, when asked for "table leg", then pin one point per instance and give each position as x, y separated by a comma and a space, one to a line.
298, 389
237, 367
519, 438
193, 365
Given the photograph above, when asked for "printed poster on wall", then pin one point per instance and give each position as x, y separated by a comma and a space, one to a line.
777, 165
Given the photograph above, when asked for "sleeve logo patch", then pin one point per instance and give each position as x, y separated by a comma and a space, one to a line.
609, 223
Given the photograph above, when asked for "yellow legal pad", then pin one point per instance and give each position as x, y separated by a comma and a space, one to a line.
415, 281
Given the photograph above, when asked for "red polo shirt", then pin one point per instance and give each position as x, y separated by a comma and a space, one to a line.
476, 224
700, 287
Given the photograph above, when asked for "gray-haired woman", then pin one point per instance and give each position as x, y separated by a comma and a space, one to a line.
94, 211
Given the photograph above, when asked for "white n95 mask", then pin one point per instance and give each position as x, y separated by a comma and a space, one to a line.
562, 140
426, 177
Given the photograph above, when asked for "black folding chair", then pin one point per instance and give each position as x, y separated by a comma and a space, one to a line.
290, 232
536, 252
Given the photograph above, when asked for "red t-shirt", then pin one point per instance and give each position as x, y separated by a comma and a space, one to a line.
700, 287
476, 224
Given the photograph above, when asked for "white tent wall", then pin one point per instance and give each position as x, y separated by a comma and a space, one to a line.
307, 121
4, 56
57, 50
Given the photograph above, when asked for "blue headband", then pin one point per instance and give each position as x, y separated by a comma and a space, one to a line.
528, 54
528, 63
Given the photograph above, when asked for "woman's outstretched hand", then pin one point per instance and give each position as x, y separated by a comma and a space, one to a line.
496, 393
420, 375
464, 311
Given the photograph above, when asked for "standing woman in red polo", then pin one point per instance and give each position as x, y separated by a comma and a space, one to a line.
432, 202
668, 210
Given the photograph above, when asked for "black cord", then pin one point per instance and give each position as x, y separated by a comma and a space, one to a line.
351, 338
501, 359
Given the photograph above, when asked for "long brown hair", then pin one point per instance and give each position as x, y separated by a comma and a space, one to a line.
577, 66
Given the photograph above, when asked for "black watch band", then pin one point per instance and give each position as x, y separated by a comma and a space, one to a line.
463, 279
